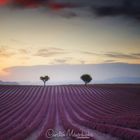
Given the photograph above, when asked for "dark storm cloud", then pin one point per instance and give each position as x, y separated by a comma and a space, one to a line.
53, 4
127, 8
100, 8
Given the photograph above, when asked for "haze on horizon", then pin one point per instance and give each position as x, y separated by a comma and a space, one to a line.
68, 33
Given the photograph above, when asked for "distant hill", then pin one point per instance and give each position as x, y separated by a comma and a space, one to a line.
8, 83
132, 80
70, 74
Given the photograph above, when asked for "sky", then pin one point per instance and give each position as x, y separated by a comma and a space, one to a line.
36, 33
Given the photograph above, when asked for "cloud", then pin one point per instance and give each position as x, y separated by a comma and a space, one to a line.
136, 54
109, 61
127, 8
23, 51
60, 61
64, 60
82, 62
101, 8
19, 42
4, 2
52, 4
114, 55
6, 52
123, 55
89, 53
50, 52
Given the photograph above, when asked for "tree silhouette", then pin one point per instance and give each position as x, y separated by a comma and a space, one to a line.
86, 78
44, 79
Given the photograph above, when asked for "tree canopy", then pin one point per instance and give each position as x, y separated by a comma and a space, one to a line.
44, 79
86, 78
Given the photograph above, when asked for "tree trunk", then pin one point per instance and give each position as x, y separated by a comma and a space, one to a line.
44, 84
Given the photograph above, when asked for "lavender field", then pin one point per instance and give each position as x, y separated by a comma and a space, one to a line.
95, 112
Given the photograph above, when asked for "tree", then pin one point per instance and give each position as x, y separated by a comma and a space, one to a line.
44, 79
86, 78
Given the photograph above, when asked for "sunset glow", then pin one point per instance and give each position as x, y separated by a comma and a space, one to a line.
34, 36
